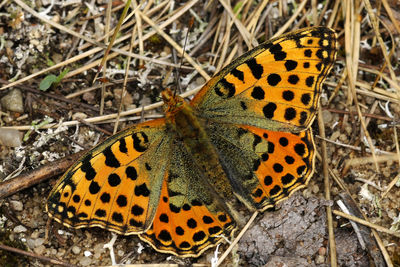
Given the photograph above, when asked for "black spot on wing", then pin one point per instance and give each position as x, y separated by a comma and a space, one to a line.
276, 50
238, 74
111, 160
140, 141
122, 146
225, 89
255, 68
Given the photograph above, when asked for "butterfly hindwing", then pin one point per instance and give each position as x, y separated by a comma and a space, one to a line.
189, 218
264, 166
117, 184
275, 86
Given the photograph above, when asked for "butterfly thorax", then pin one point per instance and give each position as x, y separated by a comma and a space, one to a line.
182, 119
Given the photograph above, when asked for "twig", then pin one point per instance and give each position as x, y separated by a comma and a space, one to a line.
36, 256
332, 244
226, 253
30, 178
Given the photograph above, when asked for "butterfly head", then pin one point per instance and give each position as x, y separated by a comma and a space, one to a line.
172, 102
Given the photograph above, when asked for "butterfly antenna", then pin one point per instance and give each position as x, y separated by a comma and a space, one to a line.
178, 70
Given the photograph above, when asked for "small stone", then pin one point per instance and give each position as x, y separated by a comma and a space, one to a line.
19, 229
322, 251
39, 250
85, 261
30, 243
39, 242
327, 116
315, 189
87, 253
35, 234
16, 205
348, 129
79, 115
120, 253
76, 250
343, 138
10, 137
127, 98
335, 135
11, 237
13, 101
89, 97
319, 259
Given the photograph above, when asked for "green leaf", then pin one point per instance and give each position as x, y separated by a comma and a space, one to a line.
52, 79
47, 82
62, 74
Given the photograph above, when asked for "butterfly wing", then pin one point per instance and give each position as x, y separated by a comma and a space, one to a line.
117, 184
257, 111
264, 166
275, 86
189, 218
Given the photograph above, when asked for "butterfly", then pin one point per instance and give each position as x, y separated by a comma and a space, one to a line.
246, 135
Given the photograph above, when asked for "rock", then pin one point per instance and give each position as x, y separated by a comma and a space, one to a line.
319, 259
19, 229
10, 137
85, 261
39, 250
287, 262
39, 242
16, 205
13, 101
87, 253
79, 115
297, 229
327, 116
76, 250
35, 235
30, 243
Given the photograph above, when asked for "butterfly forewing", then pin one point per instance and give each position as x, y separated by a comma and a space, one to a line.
275, 86
117, 184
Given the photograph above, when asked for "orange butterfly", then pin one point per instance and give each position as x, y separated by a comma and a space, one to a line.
246, 134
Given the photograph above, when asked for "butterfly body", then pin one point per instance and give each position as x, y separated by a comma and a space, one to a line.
190, 130
246, 134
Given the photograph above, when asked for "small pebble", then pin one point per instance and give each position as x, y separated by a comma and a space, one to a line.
315, 189
120, 253
10, 137
85, 261
39, 250
343, 138
30, 243
76, 250
319, 259
39, 242
87, 253
79, 115
335, 135
35, 234
327, 116
13, 101
16, 205
19, 229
